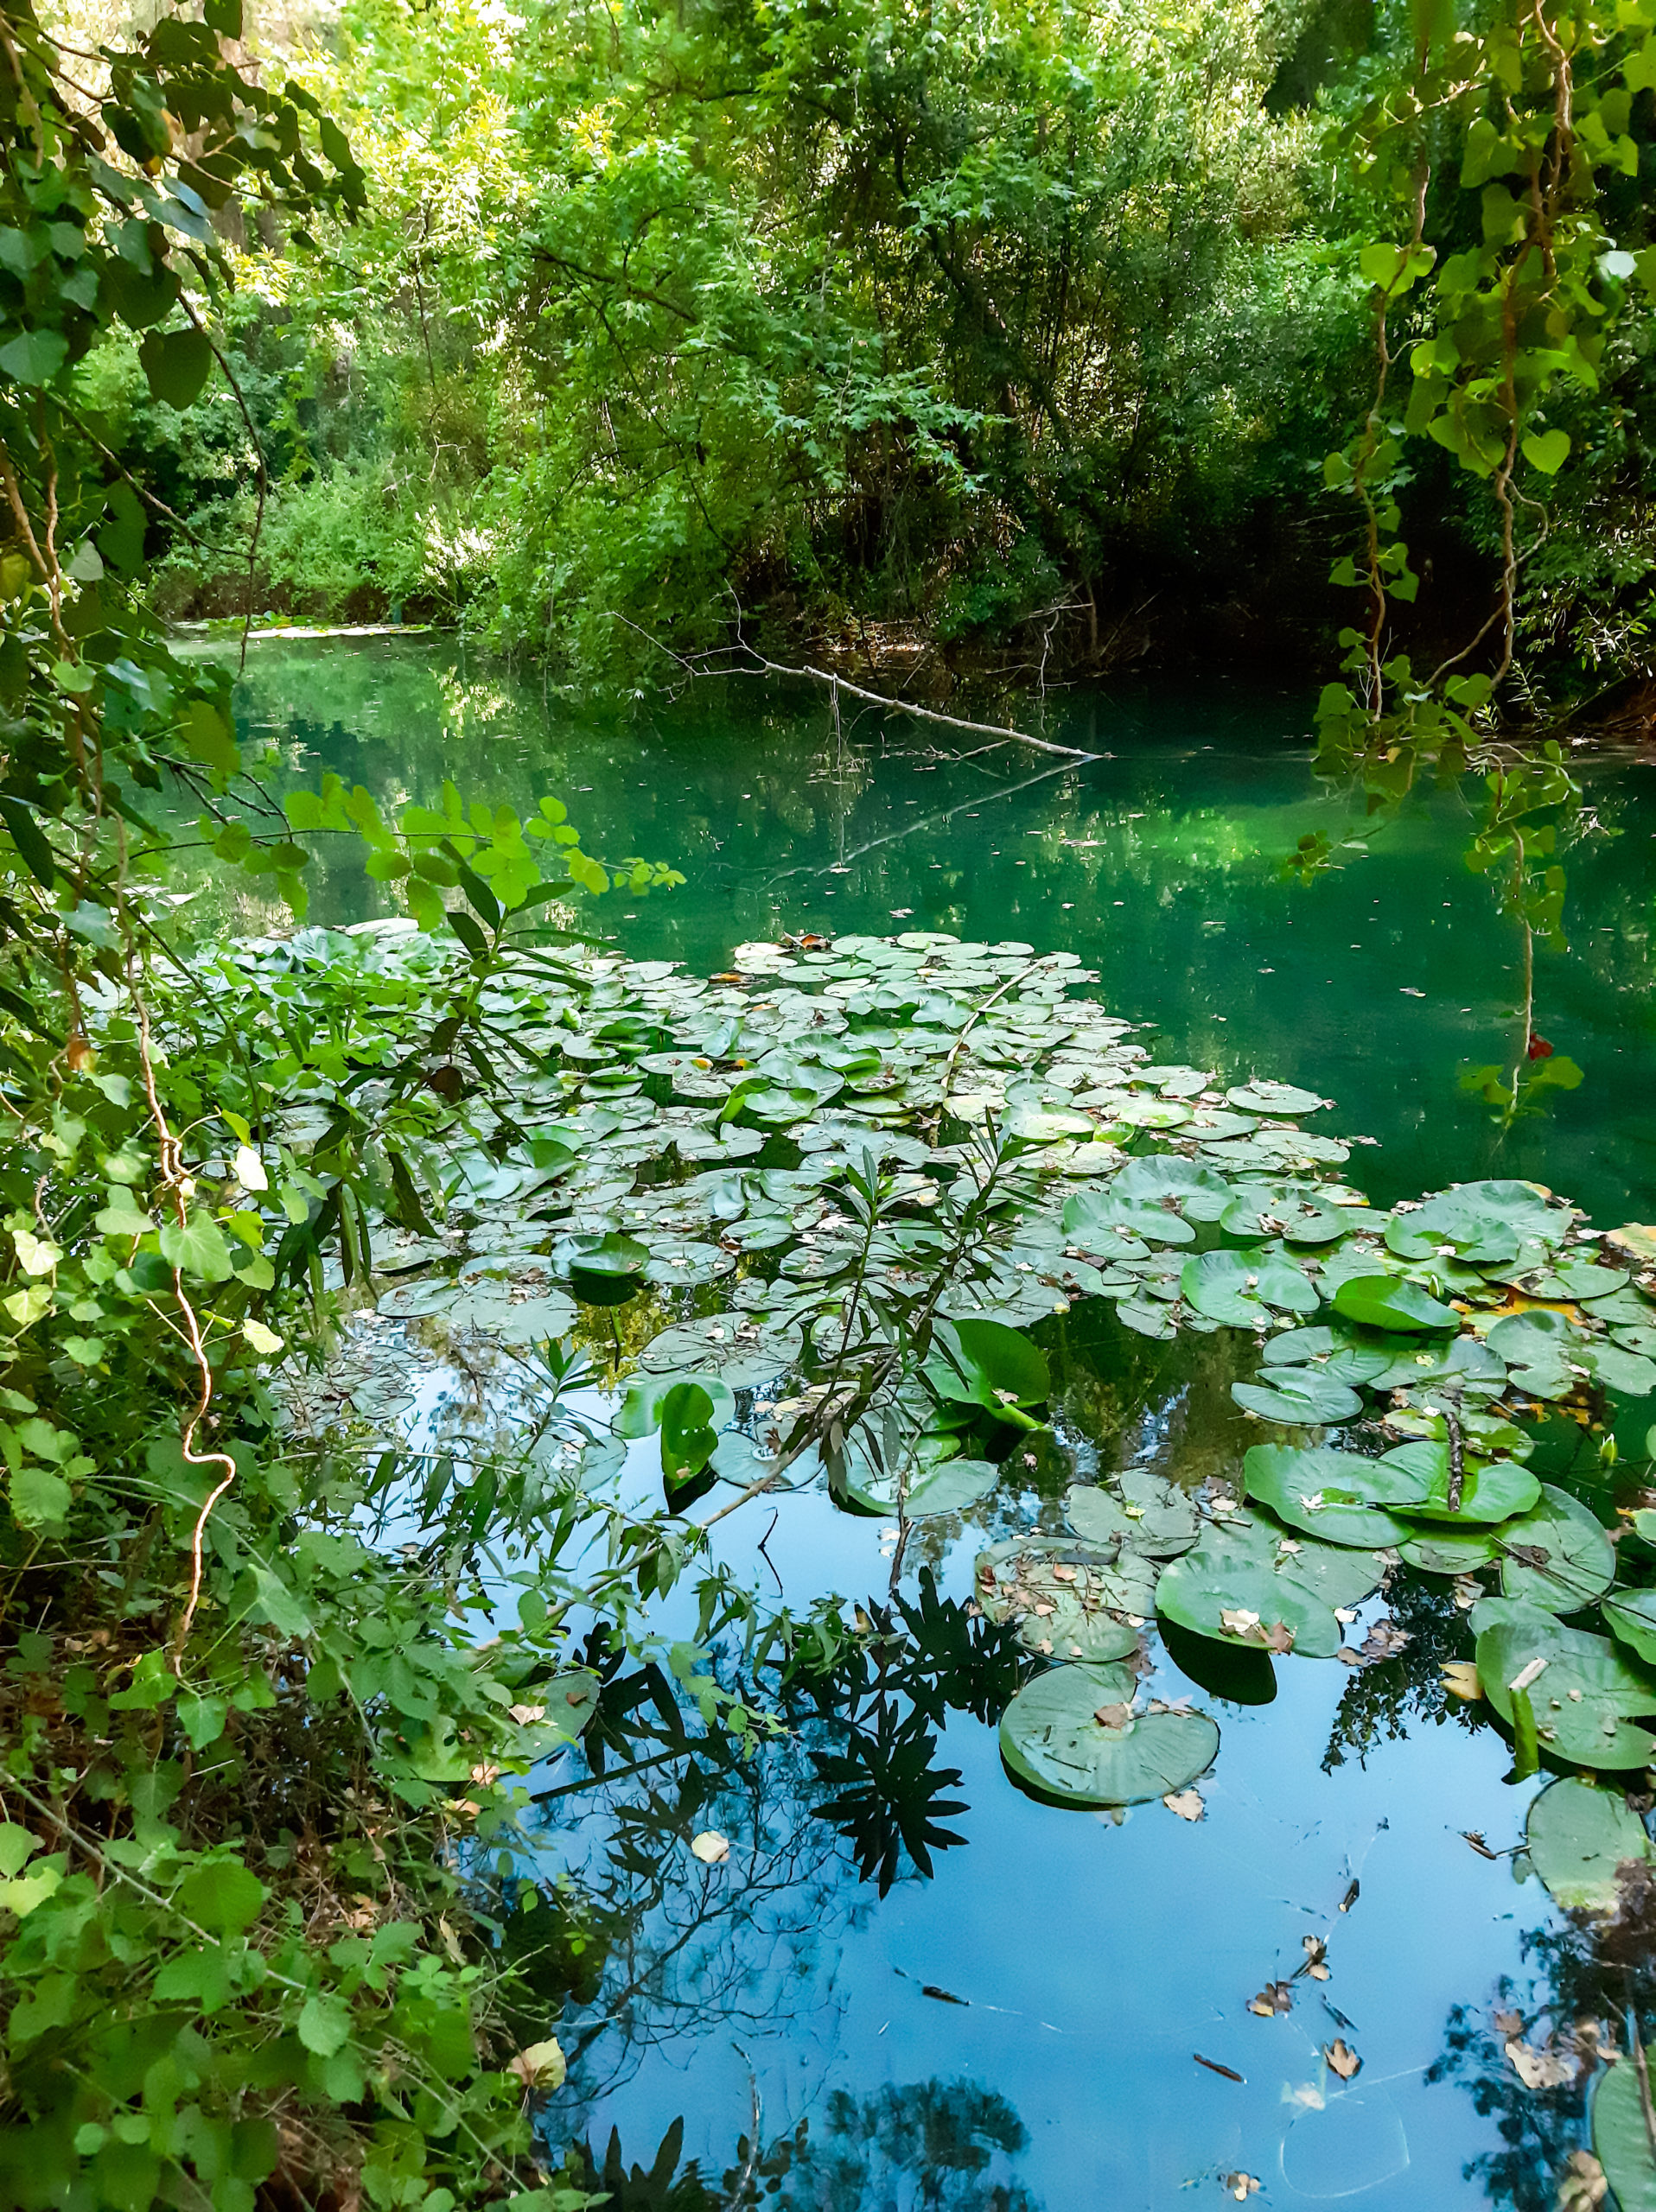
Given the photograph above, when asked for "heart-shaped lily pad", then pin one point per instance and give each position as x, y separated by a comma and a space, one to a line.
1491, 1489
1339, 1498
1556, 1555
1594, 1728
1150, 1515
1066, 1600
1248, 1582
1303, 1397
1243, 1288
1381, 1301
1577, 1835
1070, 1734
950, 1487
1621, 2135
1631, 1614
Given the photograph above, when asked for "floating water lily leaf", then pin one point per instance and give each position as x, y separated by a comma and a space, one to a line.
1379, 1301
1296, 1217
1070, 1735
1338, 1496
984, 1364
1151, 1515
642, 1409
1247, 1582
610, 1254
1556, 1555
1491, 1489
1628, 1372
1243, 1288
1067, 1600
1487, 1224
1199, 1193
1340, 1355
1448, 1551
1304, 1396
1577, 1281
1621, 2138
950, 1487
1593, 1730
1099, 1220
1577, 1835
1631, 1614
1263, 1097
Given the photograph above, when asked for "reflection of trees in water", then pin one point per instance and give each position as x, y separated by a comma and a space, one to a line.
1588, 1975
691, 1950
1378, 1703
928, 2146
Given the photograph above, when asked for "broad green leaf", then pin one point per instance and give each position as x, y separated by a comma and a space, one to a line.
221, 1896
1338, 1496
1302, 1396
196, 1247
1071, 1735
1620, 2137
1249, 1582
1593, 1730
177, 363
1577, 1835
1556, 1555
1547, 451
1379, 1301
1491, 1489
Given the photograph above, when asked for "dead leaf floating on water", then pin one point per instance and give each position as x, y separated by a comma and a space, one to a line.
1317, 1958
1276, 1997
1241, 2186
1461, 1679
1543, 2068
1187, 1803
710, 1847
1342, 2058
1583, 2187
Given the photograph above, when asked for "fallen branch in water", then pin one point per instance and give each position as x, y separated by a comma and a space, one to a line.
758, 664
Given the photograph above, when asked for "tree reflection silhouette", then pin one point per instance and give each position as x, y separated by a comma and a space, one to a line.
924, 2146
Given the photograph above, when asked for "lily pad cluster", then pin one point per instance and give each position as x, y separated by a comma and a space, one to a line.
822, 1196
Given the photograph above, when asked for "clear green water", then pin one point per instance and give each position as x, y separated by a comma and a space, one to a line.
1095, 1958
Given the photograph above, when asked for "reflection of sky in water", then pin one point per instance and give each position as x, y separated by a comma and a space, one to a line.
1096, 1958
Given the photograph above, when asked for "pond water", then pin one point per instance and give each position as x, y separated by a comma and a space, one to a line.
1022, 2029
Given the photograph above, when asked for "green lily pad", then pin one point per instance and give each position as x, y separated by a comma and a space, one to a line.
1339, 1498
1379, 1301
1243, 1288
1491, 1489
1199, 1194
1067, 1600
1631, 1614
600, 1256
1099, 1220
1448, 1551
1621, 2138
1286, 1099
1487, 1223
952, 1486
1249, 1583
1577, 1835
1151, 1515
1593, 1730
1301, 1396
1628, 1372
985, 1364
1295, 1216
1054, 1740
1579, 1563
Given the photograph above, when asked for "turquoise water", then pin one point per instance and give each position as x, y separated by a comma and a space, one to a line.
1023, 2028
